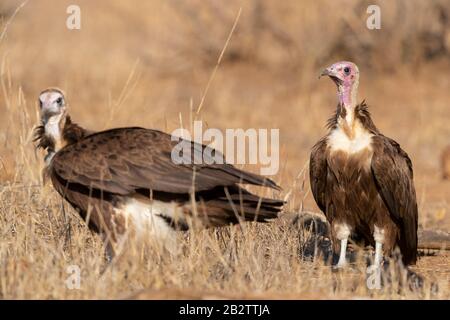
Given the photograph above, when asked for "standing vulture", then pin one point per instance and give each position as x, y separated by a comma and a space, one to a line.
124, 180
361, 179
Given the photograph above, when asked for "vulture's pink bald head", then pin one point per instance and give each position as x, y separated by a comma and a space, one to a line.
346, 76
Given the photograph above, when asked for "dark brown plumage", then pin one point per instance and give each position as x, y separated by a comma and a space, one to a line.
125, 161
363, 181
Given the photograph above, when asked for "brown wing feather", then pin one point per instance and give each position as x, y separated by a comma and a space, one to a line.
318, 173
392, 170
125, 159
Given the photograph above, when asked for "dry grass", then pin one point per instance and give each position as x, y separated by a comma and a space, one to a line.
149, 65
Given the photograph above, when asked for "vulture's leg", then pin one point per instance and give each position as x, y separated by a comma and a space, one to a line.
342, 234
379, 237
109, 252
378, 253
108, 247
342, 260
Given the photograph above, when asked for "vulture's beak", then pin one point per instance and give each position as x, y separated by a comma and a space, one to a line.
48, 110
326, 72
331, 72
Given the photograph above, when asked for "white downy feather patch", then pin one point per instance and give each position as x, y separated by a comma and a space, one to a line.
144, 216
379, 234
340, 141
342, 230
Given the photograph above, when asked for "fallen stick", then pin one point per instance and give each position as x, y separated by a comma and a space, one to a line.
433, 240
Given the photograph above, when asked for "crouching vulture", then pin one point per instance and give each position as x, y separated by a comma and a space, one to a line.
124, 180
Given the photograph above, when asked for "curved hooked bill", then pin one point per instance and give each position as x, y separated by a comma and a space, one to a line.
331, 74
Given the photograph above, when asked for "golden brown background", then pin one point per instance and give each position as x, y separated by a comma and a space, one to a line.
148, 63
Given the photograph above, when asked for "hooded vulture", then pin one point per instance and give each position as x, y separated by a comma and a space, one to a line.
362, 180
124, 180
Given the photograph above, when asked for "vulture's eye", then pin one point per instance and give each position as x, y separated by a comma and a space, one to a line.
40, 103
59, 101
347, 70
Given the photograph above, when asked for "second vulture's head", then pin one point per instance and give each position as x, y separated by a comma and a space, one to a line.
52, 107
56, 129
52, 104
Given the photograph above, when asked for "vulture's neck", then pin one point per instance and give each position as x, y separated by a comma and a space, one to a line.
54, 127
56, 132
347, 121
